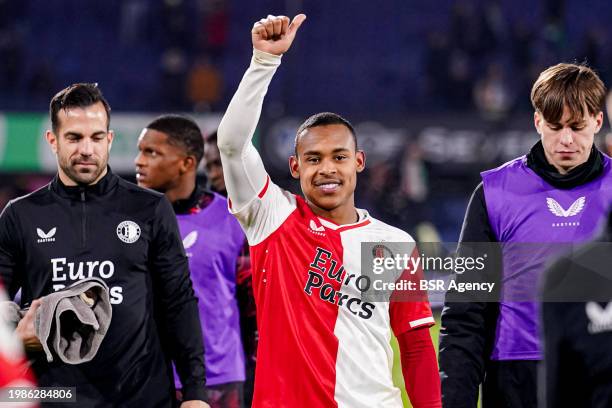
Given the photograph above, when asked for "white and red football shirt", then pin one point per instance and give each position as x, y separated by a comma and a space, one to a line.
14, 370
320, 345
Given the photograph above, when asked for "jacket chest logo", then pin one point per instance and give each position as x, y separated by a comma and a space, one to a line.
128, 232
46, 236
600, 319
313, 228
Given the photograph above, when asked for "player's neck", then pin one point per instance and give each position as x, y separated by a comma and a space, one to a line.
182, 191
345, 214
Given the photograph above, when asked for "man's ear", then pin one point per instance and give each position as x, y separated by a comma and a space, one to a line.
52, 140
361, 160
599, 120
537, 121
294, 167
111, 137
188, 163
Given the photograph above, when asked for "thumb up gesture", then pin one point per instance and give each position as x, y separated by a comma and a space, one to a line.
275, 34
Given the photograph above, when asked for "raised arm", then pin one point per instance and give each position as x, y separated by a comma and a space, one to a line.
243, 169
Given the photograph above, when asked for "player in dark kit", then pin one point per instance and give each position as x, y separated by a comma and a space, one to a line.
577, 327
102, 226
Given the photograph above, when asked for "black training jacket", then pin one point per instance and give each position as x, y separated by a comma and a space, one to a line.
577, 369
128, 236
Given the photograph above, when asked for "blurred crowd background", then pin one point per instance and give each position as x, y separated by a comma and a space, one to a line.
438, 90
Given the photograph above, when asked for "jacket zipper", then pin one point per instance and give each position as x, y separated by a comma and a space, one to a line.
83, 220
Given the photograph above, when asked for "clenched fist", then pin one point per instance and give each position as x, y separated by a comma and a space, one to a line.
275, 34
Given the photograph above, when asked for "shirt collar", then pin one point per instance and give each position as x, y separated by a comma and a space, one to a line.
582, 174
197, 201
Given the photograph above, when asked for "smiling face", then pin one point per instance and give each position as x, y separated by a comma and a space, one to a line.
568, 144
327, 164
82, 144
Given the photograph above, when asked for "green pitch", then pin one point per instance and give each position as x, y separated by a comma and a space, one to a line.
398, 379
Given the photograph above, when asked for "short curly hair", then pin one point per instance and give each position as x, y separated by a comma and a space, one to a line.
182, 132
323, 119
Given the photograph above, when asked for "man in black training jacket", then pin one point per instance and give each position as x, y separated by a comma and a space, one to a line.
577, 327
88, 222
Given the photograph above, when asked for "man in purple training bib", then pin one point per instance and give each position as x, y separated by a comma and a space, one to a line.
170, 150
555, 195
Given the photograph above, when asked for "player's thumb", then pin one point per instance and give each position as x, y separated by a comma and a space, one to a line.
34, 306
296, 23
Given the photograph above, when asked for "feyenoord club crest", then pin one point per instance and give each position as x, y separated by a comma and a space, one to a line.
381, 251
128, 232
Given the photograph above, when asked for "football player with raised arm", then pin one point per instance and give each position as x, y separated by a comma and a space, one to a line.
321, 344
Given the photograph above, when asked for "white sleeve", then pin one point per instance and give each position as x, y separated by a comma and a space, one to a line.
259, 205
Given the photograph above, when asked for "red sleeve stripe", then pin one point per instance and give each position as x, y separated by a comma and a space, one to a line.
263, 190
260, 195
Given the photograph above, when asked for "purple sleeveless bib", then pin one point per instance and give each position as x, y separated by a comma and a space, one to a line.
523, 208
213, 241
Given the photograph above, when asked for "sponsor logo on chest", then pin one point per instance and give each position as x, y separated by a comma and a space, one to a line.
325, 266
600, 319
315, 229
46, 236
189, 241
64, 273
566, 216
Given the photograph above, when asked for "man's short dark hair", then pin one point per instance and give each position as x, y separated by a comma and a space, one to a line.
323, 119
210, 141
211, 137
182, 132
79, 95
